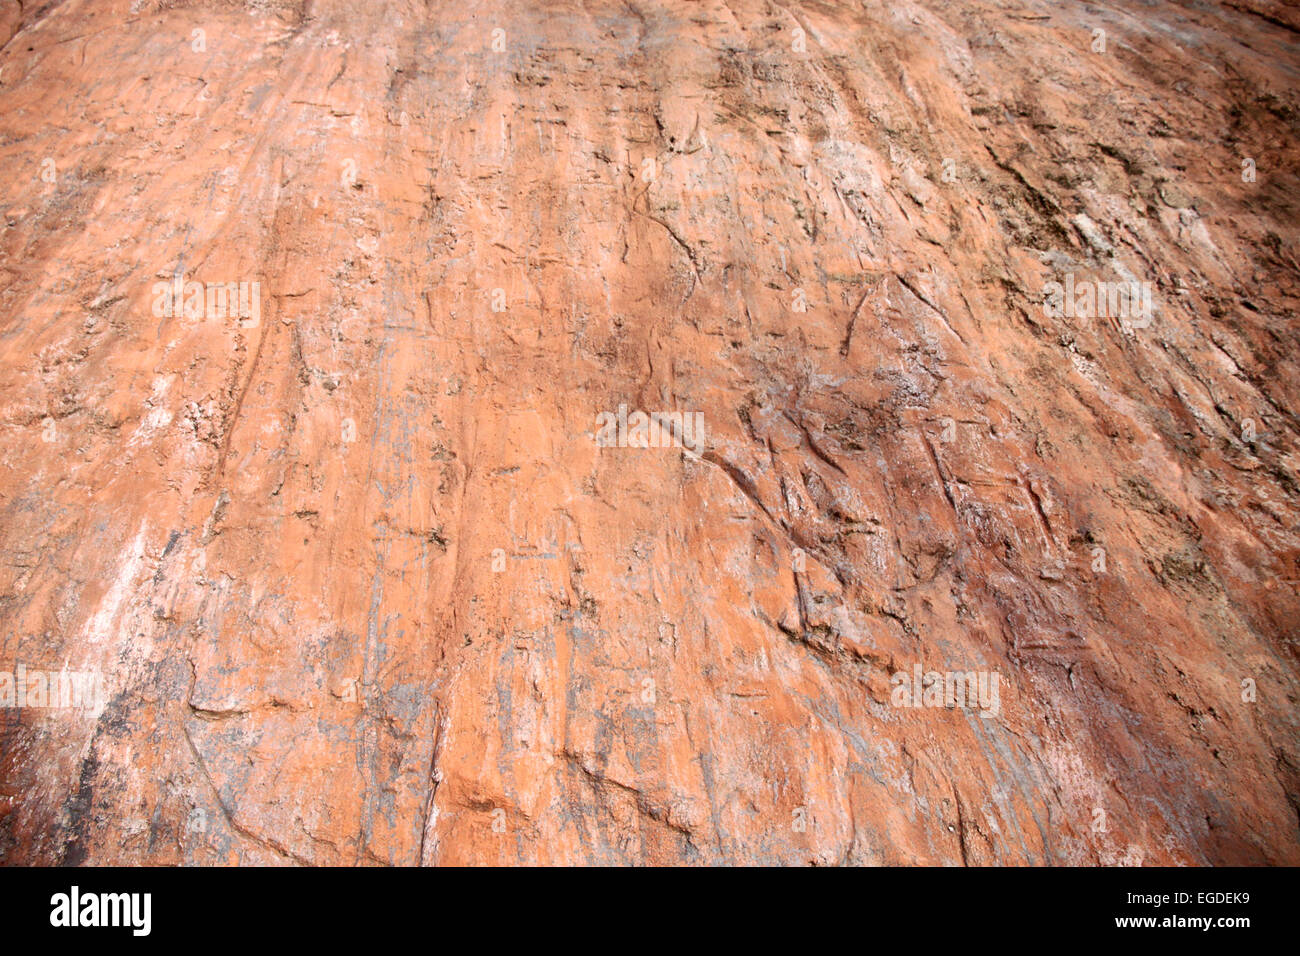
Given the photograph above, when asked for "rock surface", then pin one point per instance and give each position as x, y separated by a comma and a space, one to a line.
362, 583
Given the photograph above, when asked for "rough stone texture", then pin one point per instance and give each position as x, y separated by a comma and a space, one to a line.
276, 541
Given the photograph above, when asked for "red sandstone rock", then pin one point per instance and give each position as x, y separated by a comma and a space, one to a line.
361, 584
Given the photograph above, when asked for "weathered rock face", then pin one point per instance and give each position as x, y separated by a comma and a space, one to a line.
368, 576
